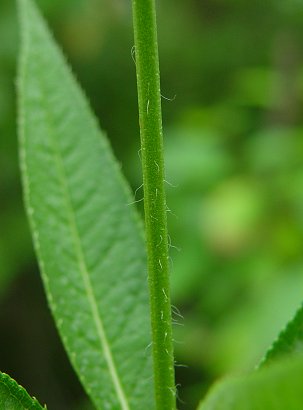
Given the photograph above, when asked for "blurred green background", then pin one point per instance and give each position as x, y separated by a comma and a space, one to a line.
234, 153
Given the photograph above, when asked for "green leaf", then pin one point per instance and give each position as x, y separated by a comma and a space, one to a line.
289, 341
15, 397
275, 387
87, 237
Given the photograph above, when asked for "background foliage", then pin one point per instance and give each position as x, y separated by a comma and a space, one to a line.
234, 149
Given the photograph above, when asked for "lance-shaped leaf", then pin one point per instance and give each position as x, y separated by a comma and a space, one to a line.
87, 238
15, 397
289, 341
275, 387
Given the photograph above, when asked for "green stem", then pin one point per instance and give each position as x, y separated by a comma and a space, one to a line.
150, 118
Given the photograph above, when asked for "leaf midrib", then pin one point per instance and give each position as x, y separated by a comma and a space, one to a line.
87, 282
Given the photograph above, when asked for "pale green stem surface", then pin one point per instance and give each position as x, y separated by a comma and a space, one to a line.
150, 118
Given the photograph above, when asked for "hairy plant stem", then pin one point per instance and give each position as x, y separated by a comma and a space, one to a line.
150, 119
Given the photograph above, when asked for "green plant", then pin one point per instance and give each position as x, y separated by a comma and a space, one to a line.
89, 240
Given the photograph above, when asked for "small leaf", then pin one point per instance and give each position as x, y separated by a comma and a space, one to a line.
89, 242
275, 387
15, 397
289, 341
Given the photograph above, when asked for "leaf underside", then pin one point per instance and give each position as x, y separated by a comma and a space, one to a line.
289, 341
275, 387
15, 397
88, 240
